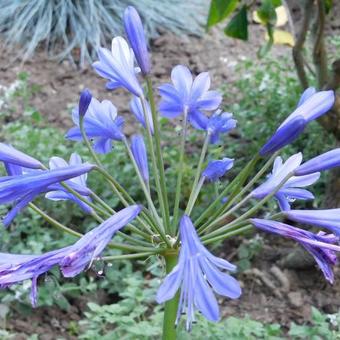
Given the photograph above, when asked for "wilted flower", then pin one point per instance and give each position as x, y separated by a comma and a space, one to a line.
217, 169
329, 218
135, 33
140, 155
136, 108
197, 273
72, 259
118, 67
291, 190
321, 246
220, 122
325, 161
101, 123
22, 189
311, 106
186, 94
78, 183
10, 155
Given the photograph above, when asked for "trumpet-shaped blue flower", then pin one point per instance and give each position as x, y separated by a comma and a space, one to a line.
10, 155
306, 94
220, 122
311, 106
197, 273
329, 218
321, 246
140, 155
135, 33
78, 183
22, 189
284, 135
325, 161
292, 189
188, 95
101, 123
15, 268
136, 108
118, 67
217, 169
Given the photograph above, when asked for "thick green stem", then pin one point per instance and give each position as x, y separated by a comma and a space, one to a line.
171, 306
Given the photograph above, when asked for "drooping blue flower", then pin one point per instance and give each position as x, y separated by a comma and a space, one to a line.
328, 218
217, 169
140, 155
15, 268
118, 67
311, 106
101, 124
22, 189
197, 273
10, 155
292, 189
220, 122
78, 183
136, 37
136, 108
186, 94
321, 246
325, 161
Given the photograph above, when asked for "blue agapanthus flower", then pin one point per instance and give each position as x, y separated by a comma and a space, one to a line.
311, 106
292, 189
321, 246
220, 122
188, 95
138, 149
135, 33
197, 274
328, 218
21, 189
216, 169
136, 108
325, 161
79, 183
101, 123
10, 155
71, 260
118, 66
84, 102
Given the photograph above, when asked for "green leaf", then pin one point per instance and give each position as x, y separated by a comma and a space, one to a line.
219, 10
238, 25
267, 12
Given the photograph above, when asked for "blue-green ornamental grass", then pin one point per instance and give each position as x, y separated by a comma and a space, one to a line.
164, 226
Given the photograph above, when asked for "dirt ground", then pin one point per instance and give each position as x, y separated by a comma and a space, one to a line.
271, 293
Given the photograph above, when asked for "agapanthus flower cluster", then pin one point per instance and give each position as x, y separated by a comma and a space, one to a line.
166, 223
